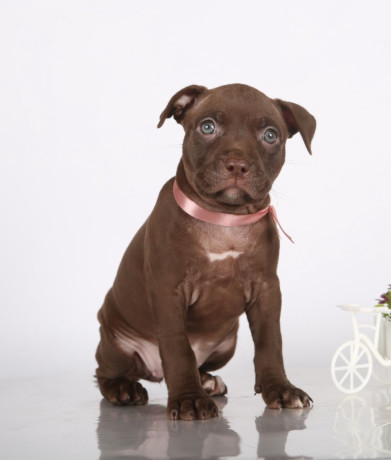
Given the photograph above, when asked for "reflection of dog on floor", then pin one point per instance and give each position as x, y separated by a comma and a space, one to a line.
273, 428
145, 432
207, 254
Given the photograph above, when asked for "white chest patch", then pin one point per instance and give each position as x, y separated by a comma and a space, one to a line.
214, 256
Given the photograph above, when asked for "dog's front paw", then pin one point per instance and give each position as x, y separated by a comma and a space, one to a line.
191, 407
285, 395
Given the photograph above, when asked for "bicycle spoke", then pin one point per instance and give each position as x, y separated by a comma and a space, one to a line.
353, 349
341, 355
345, 377
360, 355
362, 366
357, 374
341, 368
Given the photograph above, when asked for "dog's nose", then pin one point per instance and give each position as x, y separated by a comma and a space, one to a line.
237, 167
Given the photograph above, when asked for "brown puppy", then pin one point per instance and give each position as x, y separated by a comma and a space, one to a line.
182, 284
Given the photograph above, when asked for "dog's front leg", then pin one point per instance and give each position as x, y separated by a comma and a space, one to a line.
264, 319
187, 400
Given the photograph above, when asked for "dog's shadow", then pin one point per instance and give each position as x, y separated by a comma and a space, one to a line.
146, 432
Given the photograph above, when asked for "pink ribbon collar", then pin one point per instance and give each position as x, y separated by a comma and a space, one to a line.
221, 218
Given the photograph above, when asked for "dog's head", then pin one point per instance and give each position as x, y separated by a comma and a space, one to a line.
234, 145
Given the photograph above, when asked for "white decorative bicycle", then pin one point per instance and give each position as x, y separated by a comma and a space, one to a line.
352, 363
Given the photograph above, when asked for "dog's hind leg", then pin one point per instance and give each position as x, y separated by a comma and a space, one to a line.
123, 392
212, 384
118, 375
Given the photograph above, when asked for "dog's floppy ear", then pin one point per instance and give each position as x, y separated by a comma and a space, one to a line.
297, 119
180, 103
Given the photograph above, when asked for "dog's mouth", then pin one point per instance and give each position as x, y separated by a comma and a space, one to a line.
228, 191
232, 196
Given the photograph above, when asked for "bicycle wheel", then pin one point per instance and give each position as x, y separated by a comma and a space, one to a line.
351, 367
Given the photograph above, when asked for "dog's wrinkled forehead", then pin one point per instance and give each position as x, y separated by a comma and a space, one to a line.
235, 102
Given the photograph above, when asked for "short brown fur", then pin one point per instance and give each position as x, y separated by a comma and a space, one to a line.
174, 306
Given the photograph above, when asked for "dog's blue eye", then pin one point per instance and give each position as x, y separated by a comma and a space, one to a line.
208, 127
270, 136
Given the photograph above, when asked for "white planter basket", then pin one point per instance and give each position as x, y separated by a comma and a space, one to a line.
384, 345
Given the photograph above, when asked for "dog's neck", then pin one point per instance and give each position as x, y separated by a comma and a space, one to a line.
220, 218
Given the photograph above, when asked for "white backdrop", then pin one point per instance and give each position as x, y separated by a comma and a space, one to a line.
82, 84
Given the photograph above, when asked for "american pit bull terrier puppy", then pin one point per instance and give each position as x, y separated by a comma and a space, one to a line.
206, 254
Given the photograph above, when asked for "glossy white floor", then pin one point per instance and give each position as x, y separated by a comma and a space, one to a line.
64, 417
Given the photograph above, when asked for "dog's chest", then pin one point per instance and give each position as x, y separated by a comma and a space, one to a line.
219, 243
224, 266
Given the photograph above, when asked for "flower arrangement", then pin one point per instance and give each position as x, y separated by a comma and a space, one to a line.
385, 301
